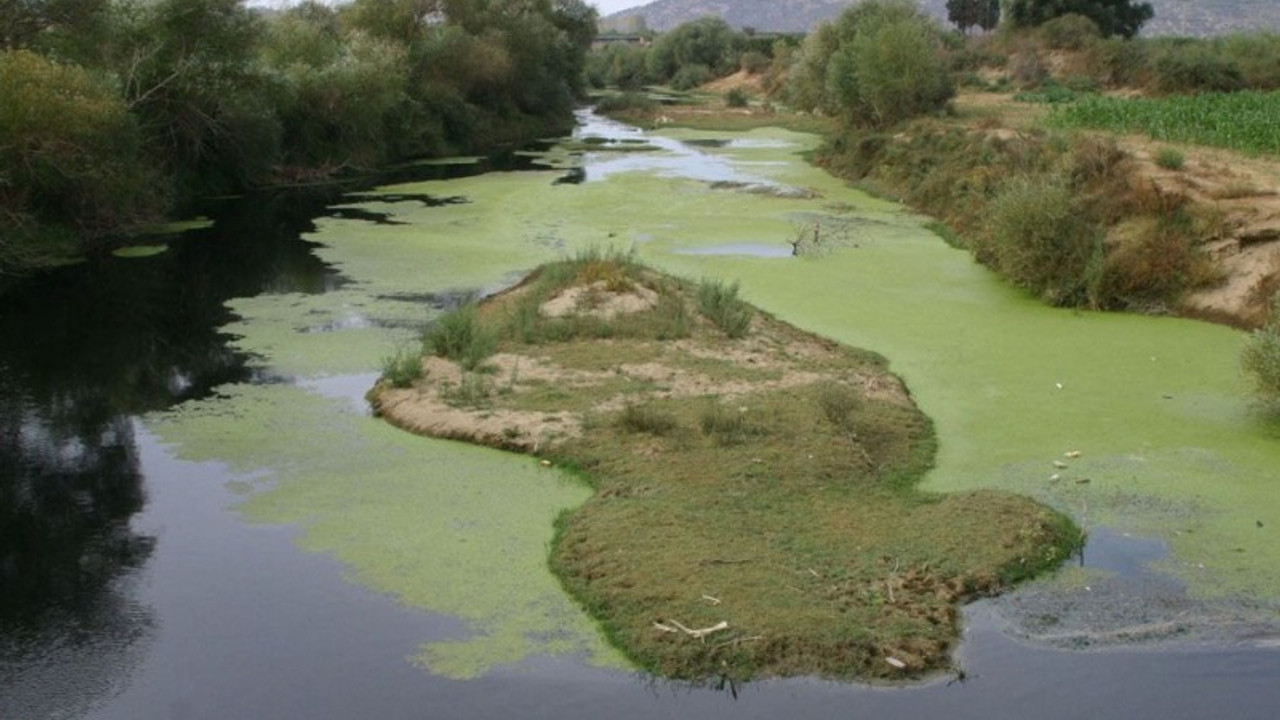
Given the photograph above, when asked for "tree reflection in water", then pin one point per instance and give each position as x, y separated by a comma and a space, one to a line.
83, 351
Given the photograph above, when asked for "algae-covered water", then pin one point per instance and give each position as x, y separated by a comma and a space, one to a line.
262, 547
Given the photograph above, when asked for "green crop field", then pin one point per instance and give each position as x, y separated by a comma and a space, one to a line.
1247, 121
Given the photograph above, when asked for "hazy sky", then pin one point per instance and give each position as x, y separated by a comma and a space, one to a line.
612, 6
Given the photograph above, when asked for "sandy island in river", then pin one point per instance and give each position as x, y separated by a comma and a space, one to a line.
755, 511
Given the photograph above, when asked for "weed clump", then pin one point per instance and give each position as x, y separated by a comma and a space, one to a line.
402, 368
1039, 240
727, 426
718, 301
1170, 159
596, 278
737, 98
458, 336
647, 418
840, 404
1261, 358
1070, 32
474, 390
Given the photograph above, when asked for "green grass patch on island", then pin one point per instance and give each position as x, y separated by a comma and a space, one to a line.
755, 510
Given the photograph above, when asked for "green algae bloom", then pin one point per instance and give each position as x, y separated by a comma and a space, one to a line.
1155, 406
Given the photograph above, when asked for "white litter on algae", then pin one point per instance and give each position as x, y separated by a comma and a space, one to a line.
1155, 406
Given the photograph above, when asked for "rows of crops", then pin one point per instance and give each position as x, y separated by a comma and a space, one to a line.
1248, 121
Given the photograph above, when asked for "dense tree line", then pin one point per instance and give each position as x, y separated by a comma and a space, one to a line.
1113, 17
112, 110
689, 55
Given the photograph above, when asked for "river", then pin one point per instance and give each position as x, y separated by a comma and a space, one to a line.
199, 519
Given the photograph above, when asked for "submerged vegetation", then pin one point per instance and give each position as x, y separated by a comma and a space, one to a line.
755, 510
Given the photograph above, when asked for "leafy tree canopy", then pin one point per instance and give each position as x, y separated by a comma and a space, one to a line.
1113, 17
965, 14
876, 64
708, 42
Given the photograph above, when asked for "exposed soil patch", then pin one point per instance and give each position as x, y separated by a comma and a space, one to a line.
741, 80
1244, 193
1239, 192
755, 510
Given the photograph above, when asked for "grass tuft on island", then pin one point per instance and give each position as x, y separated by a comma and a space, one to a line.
756, 511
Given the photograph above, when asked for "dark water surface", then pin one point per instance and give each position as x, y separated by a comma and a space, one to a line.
129, 588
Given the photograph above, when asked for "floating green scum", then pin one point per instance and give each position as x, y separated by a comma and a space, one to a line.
1155, 407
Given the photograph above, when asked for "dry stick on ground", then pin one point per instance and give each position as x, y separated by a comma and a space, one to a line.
700, 633
737, 641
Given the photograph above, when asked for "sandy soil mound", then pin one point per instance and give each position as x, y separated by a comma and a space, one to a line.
753, 84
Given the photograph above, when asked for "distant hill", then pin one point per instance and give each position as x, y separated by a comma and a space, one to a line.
1173, 17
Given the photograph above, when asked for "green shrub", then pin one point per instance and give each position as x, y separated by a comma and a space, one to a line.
719, 303
1261, 357
737, 98
840, 404
691, 76
361, 89
1151, 260
899, 73
707, 42
1026, 69
670, 317
753, 62
972, 57
1119, 63
473, 390
71, 159
1257, 55
1040, 239
1070, 32
619, 65
879, 62
1170, 159
402, 368
458, 336
1195, 69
